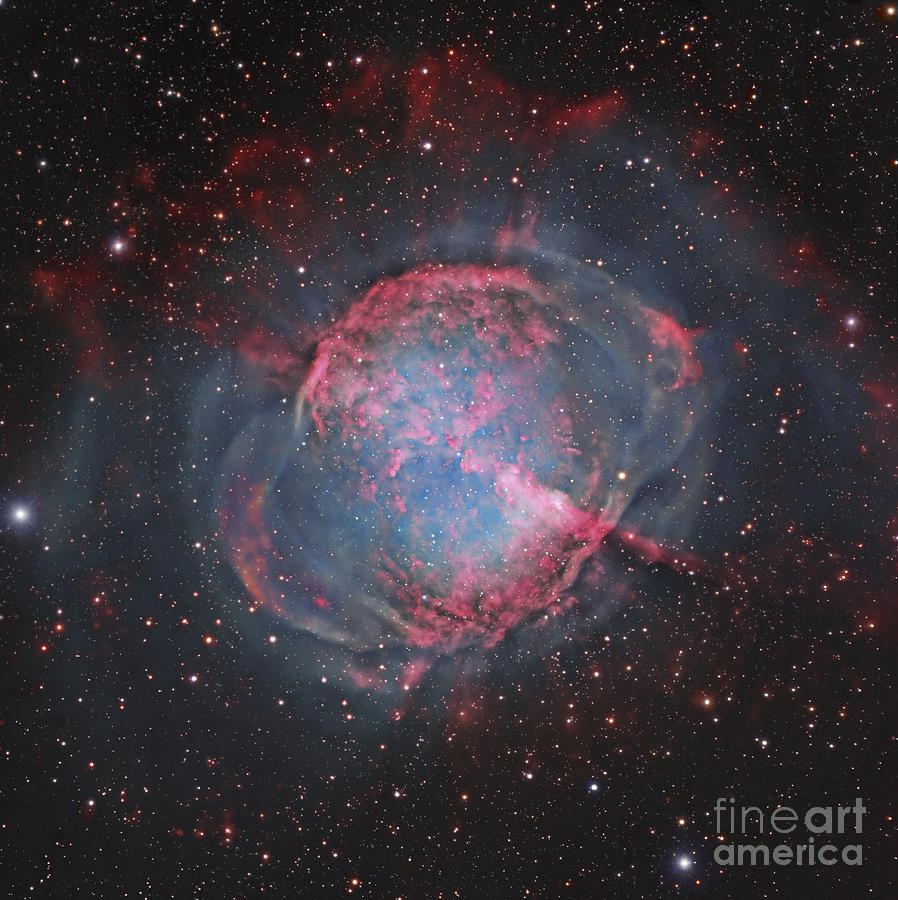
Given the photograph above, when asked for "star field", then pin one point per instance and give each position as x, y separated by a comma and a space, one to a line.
446, 451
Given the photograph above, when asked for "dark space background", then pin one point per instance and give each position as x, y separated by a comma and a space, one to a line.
154, 743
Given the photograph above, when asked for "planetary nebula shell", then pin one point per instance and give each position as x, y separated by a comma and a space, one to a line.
464, 438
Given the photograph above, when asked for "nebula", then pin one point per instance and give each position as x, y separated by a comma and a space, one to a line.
465, 437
